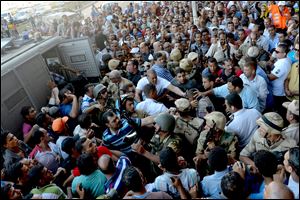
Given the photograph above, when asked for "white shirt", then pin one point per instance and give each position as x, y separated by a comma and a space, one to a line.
294, 186
243, 125
259, 85
281, 70
161, 85
151, 107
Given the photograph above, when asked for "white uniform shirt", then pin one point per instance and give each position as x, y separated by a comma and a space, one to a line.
281, 70
161, 85
243, 125
259, 85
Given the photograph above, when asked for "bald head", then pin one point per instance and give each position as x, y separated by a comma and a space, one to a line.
105, 164
276, 190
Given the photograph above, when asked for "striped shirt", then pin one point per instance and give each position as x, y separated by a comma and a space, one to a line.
115, 182
86, 102
115, 141
163, 72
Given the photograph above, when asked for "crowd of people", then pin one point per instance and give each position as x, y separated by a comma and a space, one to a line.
187, 107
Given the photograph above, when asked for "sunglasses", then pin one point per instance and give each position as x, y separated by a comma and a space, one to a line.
277, 51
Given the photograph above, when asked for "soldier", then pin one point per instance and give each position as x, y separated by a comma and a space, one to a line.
186, 125
164, 137
292, 116
103, 103
175, 57
214, 135
267, 137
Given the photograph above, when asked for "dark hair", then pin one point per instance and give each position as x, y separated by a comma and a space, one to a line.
236, 81
179, 70
61, 94
284, 47
132, 179
35, 174
217, 159
4, 191
126, 87
210, 77
232, 185
78, 144
40, 119
84, 120
249, 61
266, 163
86, 87
213, 60
157, 55
14, 171
168, 159
67, 145
25, 111
134, 62
4, 135
230, 35
107, 114
36, 136
234, 100
294, 159
86, 164
148, 89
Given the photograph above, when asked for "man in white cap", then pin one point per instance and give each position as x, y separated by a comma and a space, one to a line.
267, 137
292, 115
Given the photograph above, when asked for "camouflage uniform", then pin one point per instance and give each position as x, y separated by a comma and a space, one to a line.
113, 88
172, 141
228, 141
189, 129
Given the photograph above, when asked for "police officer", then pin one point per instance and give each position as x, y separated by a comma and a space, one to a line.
267, 137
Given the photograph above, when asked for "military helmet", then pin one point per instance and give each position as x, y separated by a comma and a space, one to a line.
166, 122
216, 118
98, 88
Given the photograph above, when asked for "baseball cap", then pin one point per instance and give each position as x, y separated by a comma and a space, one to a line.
293, 106
58, 124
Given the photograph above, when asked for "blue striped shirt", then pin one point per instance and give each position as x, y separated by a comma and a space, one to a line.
163, 72
86, 102
115, 182
115, 141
